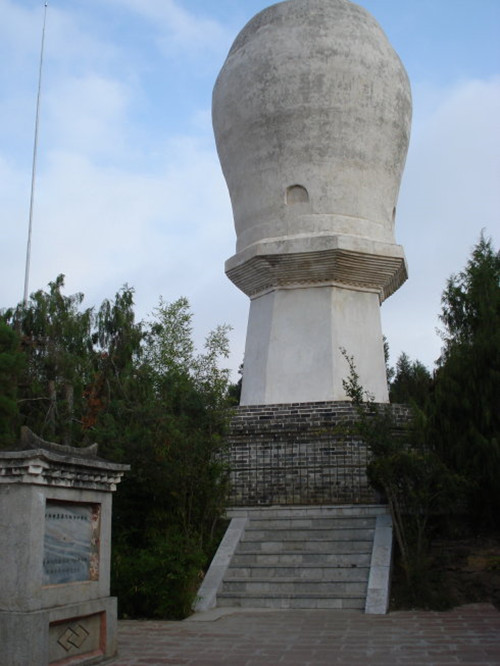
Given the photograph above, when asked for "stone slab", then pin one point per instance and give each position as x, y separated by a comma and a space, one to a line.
207, 594
71, 542
33, 575
377, 597
79, 633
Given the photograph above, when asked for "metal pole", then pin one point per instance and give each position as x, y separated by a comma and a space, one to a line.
33, 168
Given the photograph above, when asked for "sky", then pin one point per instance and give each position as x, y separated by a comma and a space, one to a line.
129, 188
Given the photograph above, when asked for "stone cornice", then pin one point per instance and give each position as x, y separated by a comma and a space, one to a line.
342, 260
361, 270
48, 468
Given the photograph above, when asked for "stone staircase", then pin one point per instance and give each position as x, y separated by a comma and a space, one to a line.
302, 557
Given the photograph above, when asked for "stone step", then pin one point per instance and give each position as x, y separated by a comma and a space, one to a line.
252, 558
294, 534
314, 522
286, 586
306, 601
306, 546
300, 512
298, 573
302, 557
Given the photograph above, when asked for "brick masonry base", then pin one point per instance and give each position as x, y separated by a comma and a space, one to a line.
299, 453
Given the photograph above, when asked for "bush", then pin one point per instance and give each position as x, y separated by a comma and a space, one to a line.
159, 579
413, 479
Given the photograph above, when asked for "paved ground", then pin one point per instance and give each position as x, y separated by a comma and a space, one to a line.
467, 635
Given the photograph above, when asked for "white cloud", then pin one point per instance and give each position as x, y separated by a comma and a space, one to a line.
20, 29
450, 193
164, 233
177, 29
87, 114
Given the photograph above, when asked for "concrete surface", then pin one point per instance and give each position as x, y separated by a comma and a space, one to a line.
295, 339
312, 96
467, 635
207, 594
328, 557
379, 581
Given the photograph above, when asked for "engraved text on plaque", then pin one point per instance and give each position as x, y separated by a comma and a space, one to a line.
71, 544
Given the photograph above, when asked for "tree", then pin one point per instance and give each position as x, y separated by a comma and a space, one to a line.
143, 393
56, 342
11, 365
412, 382
113, 390
389, 372
465, 416
471, 302
407, 471
167, 518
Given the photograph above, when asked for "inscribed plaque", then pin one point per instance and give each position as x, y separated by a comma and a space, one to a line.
71, 543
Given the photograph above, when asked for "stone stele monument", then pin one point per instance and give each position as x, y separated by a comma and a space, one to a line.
312, 113
55, 549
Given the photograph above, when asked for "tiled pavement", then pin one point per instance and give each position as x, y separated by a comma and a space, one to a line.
466, 635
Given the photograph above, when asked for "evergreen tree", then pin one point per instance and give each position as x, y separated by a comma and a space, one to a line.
465, 416
412, 382
11, 364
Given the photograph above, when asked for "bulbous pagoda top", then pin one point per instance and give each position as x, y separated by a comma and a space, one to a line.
312, 114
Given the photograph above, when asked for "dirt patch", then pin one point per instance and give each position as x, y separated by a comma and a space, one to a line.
461, 571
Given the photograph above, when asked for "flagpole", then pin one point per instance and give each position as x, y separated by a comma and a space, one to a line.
33, 167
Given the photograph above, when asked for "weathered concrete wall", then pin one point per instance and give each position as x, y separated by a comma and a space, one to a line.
312, 94
294, 343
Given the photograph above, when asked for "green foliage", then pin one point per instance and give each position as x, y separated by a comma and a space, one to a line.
167, 420
147, 398
412, 383
234, 390
471, 301
160, 578
411, 477
448, 461
389, 372
351, 383
11, 364
55, 340
464, 416
171, 347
